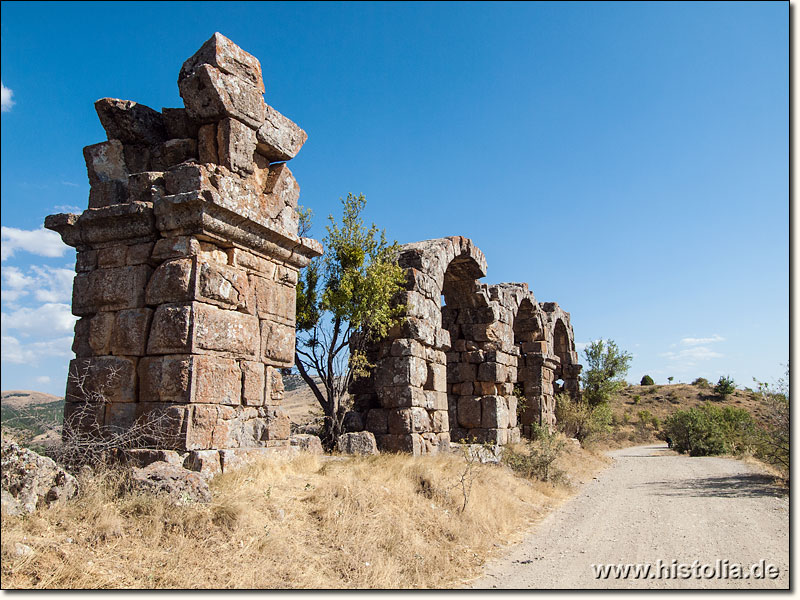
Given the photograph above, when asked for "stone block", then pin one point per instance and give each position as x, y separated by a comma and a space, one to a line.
130, 332
411, 443
282, 186
220, 52
175, 247
273, 386
105, 162
166, 379
137, 157
131, 122
491, 371
85, 261
361, 443
236, 145
494, 413
437, 377
408, 420
483, 388
207, 144
469, 412
178, 124
171, 331
102, 379
377, 420
107, 193
512, 403
113, 256
222, 285
277, 343
440, 421
172, 152
101, 328
406, 347
139, 254
279, 138
464, 389
83, 419
273, 298
210, 95
80, 343
401, 396
252, 262
206, 462
402, 370
120, 417
163, 425
109, 289
310, 444
253, 384
218, 330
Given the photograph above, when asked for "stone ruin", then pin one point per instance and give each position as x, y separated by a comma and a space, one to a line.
187, 261
463, 357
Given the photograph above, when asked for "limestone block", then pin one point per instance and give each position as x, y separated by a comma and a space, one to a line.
406, 347
236, 145
178, 124
273, 298
116, 288
120, 417
115, 223
377, 420
222, 53
307, 443
216, 380
465, 388
273, 386
362, 443
435, 400
172, 152
419, 330
167, 379
80, 343
137, 157
252, 262
139, 254
484, 388
84, 418
210, 95
102, 379
514, 435
131, 122
206, 462
172, 281
130, 332
399, 370
279, 138
437, 377
114, 256
494, 413
253, 384
107, 193
164, 425
105, 162
400, 396
207, 144
408, 420
440, 421
469, 412
85, 261
411, 443
512, 403
222, 285
101, 327
277, 343
491, 371
491, 436
474, 357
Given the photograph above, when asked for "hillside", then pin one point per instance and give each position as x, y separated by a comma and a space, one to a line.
33, 418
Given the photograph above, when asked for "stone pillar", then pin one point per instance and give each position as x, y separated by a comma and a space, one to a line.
188, 257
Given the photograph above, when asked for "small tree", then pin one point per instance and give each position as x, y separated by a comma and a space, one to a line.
606, 366
669, 379
647, 380
725, 387
775, 434
350, 289
701, 382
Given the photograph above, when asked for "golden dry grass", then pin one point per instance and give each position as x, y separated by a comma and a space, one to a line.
389, 521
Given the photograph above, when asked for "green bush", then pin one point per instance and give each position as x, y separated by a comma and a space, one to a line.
537, 458
637, 398
702, 382
725, 387
647, 380
708, 430
578, 419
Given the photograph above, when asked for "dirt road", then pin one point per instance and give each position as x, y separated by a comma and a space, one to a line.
652, 504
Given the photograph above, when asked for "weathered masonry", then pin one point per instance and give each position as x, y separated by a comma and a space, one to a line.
464, 357
188, 256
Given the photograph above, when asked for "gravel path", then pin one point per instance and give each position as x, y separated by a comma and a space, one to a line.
652, 504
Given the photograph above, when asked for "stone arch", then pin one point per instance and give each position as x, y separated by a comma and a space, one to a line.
561, 340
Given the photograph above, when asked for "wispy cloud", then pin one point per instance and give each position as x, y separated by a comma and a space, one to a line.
46, 284
690, 341
37, 241
6, 97
70, 184
67, 208
16, 352
48, 319
690, 356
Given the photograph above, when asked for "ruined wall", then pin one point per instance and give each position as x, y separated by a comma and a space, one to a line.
465, 355
188, 256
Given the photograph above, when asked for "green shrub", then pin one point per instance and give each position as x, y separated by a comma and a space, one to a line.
702, 382
637, 398
537, 458
708, 430
725, 387
647, 380
646, 418
578, 419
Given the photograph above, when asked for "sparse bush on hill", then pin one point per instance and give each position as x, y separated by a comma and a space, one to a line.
536, 460
702, 382
708, 430
774, 443
647, 380
578, 419
725, 387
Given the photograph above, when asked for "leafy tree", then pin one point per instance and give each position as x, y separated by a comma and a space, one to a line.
774, 445
647, 380
725, 387
348, 290
606, 366
701, 382
709, 429
669, 379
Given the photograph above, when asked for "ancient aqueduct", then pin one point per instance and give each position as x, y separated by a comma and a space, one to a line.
187, 261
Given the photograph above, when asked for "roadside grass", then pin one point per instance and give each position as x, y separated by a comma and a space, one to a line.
388, 521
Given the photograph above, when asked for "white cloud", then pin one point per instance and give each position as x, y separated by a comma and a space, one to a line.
691, 355
67, 208
579, 346
15, 352
70, 184
37, 241
48, 284
47, 320
702, 341
43, 379
6, 96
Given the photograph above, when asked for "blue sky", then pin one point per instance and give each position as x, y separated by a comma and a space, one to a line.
627, 160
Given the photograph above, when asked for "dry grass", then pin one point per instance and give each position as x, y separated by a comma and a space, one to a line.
389, 521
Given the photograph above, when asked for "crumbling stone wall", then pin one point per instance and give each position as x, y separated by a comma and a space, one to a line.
188, 257
465, 356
